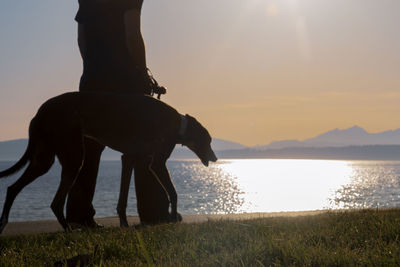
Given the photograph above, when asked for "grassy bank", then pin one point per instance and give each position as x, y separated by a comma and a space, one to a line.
367, 237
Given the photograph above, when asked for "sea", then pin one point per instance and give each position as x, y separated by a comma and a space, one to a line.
233, 186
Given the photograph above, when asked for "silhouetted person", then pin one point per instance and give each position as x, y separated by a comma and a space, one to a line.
113, 54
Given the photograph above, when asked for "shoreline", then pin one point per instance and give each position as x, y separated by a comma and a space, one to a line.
52, 226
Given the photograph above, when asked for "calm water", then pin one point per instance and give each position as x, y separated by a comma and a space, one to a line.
234, 186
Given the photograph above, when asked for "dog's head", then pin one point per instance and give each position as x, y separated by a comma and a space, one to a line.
197, 139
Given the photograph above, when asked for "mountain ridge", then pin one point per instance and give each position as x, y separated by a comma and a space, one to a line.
353, 136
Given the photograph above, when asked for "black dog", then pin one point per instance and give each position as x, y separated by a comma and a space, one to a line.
138, 126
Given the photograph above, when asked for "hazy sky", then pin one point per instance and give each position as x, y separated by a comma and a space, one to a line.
251, 71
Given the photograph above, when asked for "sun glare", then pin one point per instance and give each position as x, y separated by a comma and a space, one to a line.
288, 185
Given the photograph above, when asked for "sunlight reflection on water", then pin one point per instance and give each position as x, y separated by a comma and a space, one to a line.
371, 185
287, 185
294, 185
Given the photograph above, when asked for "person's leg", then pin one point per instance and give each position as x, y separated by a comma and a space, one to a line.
79, 205
152, 199
159, 169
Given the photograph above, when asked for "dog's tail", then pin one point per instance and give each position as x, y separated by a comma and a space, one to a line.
20, 164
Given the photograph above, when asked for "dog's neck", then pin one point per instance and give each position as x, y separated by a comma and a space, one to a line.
182, 129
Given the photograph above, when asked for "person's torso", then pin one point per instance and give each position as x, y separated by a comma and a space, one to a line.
106, 54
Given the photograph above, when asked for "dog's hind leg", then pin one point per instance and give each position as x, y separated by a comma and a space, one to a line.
71, 161
127, 167
39, 166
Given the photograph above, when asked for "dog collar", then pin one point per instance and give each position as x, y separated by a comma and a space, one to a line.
182, 129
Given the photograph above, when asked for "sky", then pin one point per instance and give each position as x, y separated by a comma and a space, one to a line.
251, 71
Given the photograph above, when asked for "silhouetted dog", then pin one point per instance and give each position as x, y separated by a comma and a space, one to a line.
138, 126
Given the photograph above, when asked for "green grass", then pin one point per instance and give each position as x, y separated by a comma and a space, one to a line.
367, 237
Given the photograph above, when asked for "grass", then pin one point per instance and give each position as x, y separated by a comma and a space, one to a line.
353, 238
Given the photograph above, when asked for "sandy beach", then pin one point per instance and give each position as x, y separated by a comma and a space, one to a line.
51, 226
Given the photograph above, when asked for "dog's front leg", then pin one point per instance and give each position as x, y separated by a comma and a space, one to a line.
160, 169
127, 167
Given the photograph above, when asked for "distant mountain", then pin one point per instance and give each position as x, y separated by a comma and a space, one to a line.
220, 144
181, 152
370, 152
14, 149
354, 136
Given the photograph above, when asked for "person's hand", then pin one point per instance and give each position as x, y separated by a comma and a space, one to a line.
160, 90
